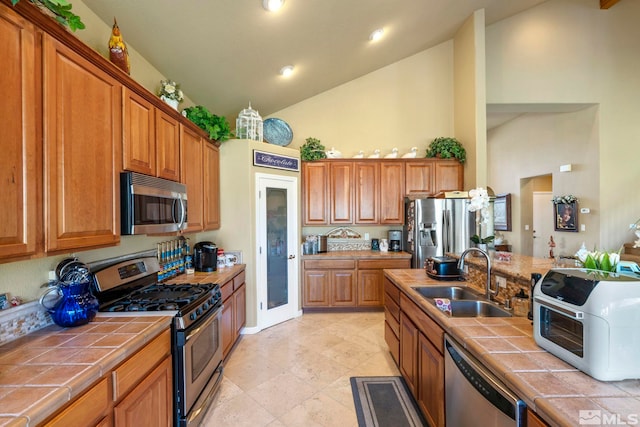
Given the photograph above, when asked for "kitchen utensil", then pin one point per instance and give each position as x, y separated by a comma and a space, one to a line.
75, 304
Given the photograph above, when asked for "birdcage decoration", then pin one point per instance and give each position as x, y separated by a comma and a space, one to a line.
249, 124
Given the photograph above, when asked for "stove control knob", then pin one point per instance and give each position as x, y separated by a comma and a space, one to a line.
198, 311
205, 306
192, 316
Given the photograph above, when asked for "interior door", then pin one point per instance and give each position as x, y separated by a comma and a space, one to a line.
542, 223
277, 249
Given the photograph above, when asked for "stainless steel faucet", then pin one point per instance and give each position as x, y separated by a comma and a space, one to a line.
489, 292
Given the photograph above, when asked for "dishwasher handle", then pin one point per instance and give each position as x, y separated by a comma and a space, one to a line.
486, 384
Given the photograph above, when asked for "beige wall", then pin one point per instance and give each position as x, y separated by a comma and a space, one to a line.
403, 105
570, 51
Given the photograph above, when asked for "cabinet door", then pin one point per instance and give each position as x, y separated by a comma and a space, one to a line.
343, 288
409, 352
211, 186
367, 178
88, 409
370, 288
431, 382
139, 134
341, 193
167, 146
392, 184
150, 403
316, 288
228, 333
82, 144
419, 176
191, 170
533, 420
240, 303
315, 179
449, 176
20, 165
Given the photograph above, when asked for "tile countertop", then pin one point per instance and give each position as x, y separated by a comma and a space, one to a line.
555, 390
220, 276
45, 369
519, 267
359, 255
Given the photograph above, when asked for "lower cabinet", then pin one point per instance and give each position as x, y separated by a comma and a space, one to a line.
234, 313
138, 392
416, 342
348, 282
533, 420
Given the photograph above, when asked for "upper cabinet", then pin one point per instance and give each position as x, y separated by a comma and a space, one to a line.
139, 136
82, 142
20, 166
371, 191
191, 155
167, 146
211, 186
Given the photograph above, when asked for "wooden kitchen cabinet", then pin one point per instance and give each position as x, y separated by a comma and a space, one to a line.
367, 193
341, 193
167, 146
82, 146
211, 186
430, 382
371, 279
233, 312
432, 176
392, 191
392, 319
91, 408
315, 288
20, 163
191, 158
315, 194
139, 134
419, 177
533, 420
408, 363
448, 176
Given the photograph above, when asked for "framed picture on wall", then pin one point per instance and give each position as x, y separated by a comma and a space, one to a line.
502, 212
566, 216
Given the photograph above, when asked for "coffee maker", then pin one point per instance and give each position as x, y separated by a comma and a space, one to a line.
205, 256
395, 240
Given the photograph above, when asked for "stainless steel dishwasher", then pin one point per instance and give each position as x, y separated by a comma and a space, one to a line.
474, 396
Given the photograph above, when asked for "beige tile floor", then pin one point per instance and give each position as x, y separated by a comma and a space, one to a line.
297, 373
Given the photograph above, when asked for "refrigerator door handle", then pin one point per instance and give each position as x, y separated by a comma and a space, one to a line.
446, 225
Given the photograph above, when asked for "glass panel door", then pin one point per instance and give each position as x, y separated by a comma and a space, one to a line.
277, 280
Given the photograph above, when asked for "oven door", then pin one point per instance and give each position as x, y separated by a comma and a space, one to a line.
197, 367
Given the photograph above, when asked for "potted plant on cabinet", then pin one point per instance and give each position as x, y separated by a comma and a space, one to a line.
217, 126
61, 11
447, 148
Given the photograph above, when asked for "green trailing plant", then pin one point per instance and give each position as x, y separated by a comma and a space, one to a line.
477, 240
312, 150
62, 12
447, 148
216, 126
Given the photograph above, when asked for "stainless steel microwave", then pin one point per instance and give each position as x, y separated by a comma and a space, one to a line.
151, 205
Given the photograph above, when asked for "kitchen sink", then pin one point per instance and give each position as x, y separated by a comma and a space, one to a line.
450, 292
469, 308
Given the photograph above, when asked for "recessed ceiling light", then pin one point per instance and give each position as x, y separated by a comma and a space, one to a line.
272, 5
376, 35
286, 71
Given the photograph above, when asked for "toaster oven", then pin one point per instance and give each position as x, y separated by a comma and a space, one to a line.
591, 320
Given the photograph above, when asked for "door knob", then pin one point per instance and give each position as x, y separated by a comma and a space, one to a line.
292, 256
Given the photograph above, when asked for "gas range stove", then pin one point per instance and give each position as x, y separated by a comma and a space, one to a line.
131, 286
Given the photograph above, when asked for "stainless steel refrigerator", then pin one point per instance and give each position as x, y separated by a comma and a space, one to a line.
433, 227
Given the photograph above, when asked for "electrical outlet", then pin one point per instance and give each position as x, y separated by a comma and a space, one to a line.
501, 281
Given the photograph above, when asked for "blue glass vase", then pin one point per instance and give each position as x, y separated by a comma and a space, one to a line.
76, 305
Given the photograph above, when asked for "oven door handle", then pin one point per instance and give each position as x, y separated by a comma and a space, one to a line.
195, 412
570, 313
210, 320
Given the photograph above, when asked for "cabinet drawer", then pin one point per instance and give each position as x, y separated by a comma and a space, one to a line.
392, 308
131, 372
369, 264
392, 291
87, 410
392, 342
425, 324
333, 264
392, 322
238, 281
227, 290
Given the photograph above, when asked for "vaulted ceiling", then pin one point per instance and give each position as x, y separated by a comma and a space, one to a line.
227, 53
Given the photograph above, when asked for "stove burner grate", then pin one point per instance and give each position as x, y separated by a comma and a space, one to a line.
160, 297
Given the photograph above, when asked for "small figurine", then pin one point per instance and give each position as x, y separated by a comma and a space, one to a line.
16, 301
375, 155
360, 155
392, 155
118, 53
411, 154
333, 154
552, 245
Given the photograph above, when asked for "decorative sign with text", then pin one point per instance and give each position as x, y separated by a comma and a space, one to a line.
276, 161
